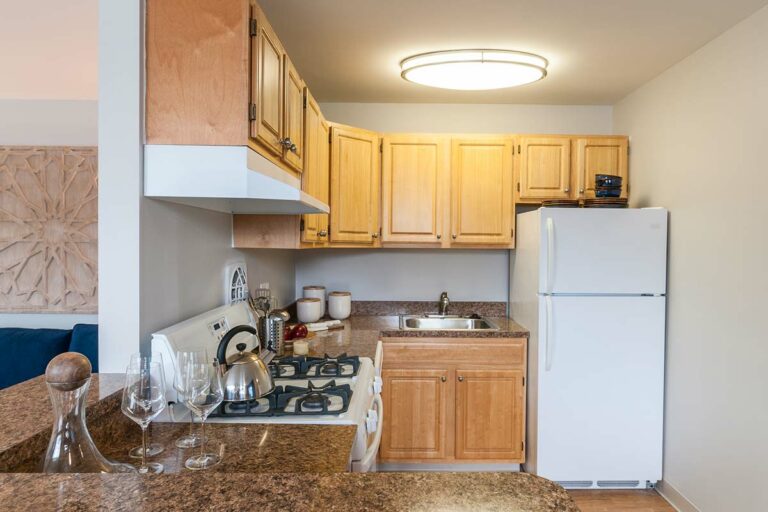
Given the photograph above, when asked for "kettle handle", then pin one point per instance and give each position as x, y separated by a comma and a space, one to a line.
221, 353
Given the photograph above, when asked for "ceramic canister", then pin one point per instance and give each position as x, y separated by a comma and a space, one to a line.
339, 305
309, 309
316, 292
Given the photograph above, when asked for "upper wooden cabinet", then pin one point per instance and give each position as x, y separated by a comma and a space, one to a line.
267, 84
355, 186
197, 89
315, 179
600, 155
482, 210
415, 182
544, 167
293, 117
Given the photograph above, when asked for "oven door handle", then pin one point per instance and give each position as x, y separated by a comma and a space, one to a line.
373, 449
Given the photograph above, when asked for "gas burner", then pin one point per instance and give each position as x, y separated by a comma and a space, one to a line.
313, 401
301, 367
340, 366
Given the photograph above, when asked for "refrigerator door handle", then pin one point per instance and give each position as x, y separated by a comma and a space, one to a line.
548, 341
550, 252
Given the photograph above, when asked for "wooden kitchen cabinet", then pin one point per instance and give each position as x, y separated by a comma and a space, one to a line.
482, 209
315, 180
355, 186
453, 400
600, 155
267, 84
293, 116
543, 168
490, 414
416, 405
414, 190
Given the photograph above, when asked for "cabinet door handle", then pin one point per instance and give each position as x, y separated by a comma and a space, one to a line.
461, 379
581, 191
374, 235
453, 236
322, 233
443, 379
439, 237
567, 189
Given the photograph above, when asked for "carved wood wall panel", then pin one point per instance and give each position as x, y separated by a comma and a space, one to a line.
48, 229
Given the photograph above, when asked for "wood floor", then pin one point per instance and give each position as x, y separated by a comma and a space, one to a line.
620, 501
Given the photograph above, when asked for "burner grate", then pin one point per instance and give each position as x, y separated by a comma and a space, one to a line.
326, 399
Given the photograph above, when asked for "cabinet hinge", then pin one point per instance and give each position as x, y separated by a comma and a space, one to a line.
522, 446
523, 381
301, 225
305, 102
518, 186
512, 234
628, 148
381, 146
252, 112
252, 27
330, 137
518, 149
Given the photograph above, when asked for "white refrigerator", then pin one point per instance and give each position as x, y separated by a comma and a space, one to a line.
590, 285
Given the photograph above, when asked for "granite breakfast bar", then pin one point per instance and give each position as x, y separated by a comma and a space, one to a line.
267, 467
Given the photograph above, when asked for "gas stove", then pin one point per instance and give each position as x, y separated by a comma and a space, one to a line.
303, 367
312, 398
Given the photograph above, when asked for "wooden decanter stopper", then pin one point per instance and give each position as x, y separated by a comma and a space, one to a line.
68, 371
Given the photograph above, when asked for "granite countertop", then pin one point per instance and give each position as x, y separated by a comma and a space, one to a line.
392, 492
27, 421
28, 416
362, 332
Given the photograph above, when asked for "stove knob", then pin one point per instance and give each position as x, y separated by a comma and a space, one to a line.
372, 421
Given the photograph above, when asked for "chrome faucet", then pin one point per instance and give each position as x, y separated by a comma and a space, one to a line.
442, 305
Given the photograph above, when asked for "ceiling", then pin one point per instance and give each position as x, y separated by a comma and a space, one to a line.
599, 50
49, 49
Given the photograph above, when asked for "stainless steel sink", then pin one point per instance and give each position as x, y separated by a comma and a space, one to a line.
445, 323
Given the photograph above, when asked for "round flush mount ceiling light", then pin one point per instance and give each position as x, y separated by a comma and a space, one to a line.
474, 70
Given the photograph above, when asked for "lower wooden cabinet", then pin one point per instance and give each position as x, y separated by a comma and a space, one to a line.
415, 406
490, 414
453, 400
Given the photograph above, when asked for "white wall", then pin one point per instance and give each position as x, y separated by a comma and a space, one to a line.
458, 118
419, 274
698, 148
406, 274
47, 123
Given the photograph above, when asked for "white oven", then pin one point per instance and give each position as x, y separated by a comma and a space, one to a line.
365, 409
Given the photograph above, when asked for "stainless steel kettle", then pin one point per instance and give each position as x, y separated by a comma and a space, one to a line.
245, 376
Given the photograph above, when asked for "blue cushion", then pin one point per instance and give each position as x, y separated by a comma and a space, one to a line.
26, 352
85, 340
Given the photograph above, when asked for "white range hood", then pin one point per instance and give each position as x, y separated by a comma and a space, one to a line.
229, 179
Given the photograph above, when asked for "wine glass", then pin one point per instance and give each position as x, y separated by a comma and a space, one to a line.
203, 392
151, 449
143, 400
184, 361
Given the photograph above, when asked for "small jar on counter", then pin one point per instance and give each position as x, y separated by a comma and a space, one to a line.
339, 305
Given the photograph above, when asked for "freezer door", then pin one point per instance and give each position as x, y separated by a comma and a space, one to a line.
600, 388
603, 251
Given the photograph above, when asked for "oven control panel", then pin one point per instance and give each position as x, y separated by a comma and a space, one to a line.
219, 328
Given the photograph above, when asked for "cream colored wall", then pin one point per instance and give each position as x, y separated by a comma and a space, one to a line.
477, 118
698, 138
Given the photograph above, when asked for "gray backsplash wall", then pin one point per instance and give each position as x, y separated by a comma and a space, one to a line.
407, 274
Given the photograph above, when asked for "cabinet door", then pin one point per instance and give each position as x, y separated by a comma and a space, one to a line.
415, 405
267, 85
355, 177
414, 183
544, 167
600, 155
490, 414
314, 179
293, 117
481, 191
